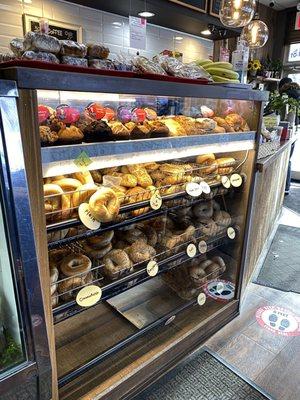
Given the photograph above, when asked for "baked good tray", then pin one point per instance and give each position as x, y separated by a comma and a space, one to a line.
94, 71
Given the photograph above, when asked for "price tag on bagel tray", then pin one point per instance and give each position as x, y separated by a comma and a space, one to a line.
201, 299
88, 296
191, 250
193, 189
87, 218
156, 201
236, 180
205, 187
225, 182
152, 268
231, 232
202, 247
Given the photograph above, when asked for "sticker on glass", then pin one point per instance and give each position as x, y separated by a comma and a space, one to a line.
225, 182
236, 180
202, 247
155, 201
205, 187
278, 320
231, 232
191, 250
87, 218
83, 160
88, 296
219, 290
193, 189
201, 299
152, 268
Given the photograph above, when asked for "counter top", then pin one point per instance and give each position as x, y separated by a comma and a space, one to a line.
265, 162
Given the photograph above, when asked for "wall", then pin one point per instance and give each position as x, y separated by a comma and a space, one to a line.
97, 27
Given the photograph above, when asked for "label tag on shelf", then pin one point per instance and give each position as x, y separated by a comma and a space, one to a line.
201, 299
171, 319
83, 160
202, 247
205, 187
193, 189
86, 217
231, 232
88, 296
156, 201
236, 180
191, 250
225, 182
152, 268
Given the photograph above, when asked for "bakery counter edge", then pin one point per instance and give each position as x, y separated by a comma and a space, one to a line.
34, 78
266, 162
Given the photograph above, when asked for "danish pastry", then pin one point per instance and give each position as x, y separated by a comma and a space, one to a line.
222, 122
143, 178
84, 177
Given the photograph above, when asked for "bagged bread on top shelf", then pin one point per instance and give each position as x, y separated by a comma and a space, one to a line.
97, 51
40, 42
72, 49
145, 66
177, 68
17, 46
40, 56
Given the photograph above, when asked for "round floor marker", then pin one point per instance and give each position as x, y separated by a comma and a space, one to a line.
213, 289
278, 320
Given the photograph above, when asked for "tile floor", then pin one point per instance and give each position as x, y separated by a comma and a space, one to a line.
270, 360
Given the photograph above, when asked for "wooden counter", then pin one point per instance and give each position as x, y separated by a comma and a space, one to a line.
266, 206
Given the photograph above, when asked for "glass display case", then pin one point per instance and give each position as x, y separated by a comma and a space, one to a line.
144, 195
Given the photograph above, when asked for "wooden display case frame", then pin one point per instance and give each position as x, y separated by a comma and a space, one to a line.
29, 80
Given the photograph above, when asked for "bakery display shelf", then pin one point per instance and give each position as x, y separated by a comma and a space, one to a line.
37, 78
60, 160
111, 289
181, 305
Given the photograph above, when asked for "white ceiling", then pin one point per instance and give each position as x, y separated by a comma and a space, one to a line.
281, 4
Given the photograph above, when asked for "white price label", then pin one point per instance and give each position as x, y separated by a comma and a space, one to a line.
88, 296
201, 299
231, 232
236, 180
152, 268
156, 201
87, 218
225, 182
202, 247
191, 250
205, 187
171, 319
193, 189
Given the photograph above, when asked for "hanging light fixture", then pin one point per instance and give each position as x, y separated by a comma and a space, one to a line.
256, 34
236, 13
145, 13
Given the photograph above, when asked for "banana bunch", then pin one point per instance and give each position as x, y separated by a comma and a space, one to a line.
220, 71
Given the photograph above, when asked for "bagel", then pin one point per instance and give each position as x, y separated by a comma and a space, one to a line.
207, 227
101, 240
197, 276
173, 169
203, 209
140, 252
204, 264
104, 205
83, 193
55, 256
208, 160
136, 195
56, 200
151, 235
222, 218
219, 260
97, 253
68, 184
225, 165
135, 234
67, 287
76, 264
96, 175
84, 177
54, 299
178, 238
53, 279
213, 271
116, 263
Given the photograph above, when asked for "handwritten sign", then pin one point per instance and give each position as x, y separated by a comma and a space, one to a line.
137, 29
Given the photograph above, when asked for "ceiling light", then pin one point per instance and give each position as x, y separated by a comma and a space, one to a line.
236, 13
117, 24
178, 38
207, 32
146, 14
256, 34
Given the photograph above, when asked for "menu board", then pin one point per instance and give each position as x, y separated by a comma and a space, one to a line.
199, 5
215, 6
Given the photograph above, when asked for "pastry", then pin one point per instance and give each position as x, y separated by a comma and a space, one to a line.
79, 62
206, 123
135, 195
151, 166
70, 134
142, 64
40, 56
120, 192
67, 184
140, 251
126, 180
76, 264
97, 131
225, 165
158, 129
150, 114
47, 136
175, 129
208, 163
97, 51
222, 218
219, 129
117, 263
143, 178
97, 176
84, 177
222, 122
237, 122
104, 205
119, 131
138, 131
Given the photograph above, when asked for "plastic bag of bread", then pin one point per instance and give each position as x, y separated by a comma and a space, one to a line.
123, 62
146, 66
80, 62
175, 67
97, 51
4, 57
40, 56
73, 49
17, 46
36, 41
101, 64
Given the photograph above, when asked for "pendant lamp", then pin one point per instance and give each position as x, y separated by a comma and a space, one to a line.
236, 13
256, 34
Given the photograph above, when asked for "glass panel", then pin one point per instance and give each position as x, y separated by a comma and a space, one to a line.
11, 335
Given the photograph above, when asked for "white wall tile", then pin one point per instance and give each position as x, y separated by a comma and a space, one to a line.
10, 18
9, 30
11, 5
